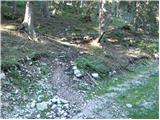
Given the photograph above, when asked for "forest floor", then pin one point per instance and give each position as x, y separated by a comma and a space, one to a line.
40, 79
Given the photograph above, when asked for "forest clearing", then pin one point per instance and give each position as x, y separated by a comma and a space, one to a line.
79, 59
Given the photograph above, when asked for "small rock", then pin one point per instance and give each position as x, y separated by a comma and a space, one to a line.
114, 72
48, 114
33, 104
110, 73
56, 99
44, 64
74, 67
38, 116
64, 101
50, 102
2, 76
53, 106
156, 55
95, 75
65, 114
66, 106
28, 58
42, 106
16, 91
77, 73
129, 105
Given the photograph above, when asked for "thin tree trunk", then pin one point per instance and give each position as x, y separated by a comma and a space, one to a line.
14, 7
28, 21
81, 3
45, 10
102, 16
136, 17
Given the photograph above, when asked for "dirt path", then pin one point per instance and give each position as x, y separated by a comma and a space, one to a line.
106, 106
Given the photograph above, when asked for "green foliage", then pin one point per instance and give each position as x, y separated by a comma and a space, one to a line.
117, 22
148, 46
92, 64
18, 80
21, 4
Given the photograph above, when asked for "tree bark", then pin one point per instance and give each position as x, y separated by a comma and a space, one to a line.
14, 7
44, 9
27, 23
136, 17
102, 20
81, 3
102, 17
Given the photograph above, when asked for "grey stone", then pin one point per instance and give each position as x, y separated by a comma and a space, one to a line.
77, 73
38, 116
74, 67
95, 75
2, 76
33, 104
53, 106
129, 105
42, 106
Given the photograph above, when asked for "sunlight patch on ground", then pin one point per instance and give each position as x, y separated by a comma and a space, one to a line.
112, 40
8, 27
135, 53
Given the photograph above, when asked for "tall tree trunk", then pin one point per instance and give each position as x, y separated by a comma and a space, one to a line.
45, 10
136, 17
81, 3
27, 23
102, 16
14, 7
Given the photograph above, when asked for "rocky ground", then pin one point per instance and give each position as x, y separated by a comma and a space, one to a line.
54, 92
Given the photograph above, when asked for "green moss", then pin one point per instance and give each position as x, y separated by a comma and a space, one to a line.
92, 64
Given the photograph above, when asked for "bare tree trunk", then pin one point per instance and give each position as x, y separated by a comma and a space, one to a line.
14, 7
27, 23
136, 17
45, 10
102, 17
81, 3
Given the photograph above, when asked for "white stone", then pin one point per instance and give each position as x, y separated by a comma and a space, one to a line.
33, 104
2, 76
77, 73
95, 75
64, 101
54, 100
156, 55
44, 64
16, 91
110, 73
129, 105
42, 106
53, 106
74, 67
65, 114
50, 102
114, 72
38, 116
66, 106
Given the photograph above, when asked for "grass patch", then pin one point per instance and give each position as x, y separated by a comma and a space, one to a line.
136, 95
91, 63
103, 86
